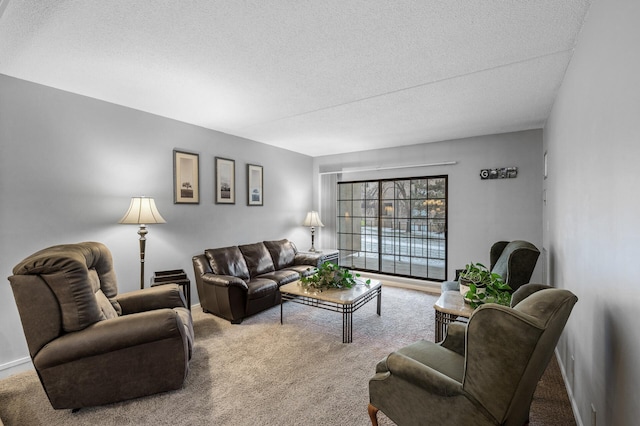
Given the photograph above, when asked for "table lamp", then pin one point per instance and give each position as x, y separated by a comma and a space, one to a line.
142, 211
312, 220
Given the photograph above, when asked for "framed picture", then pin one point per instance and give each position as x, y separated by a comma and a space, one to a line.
186, 178
225, 181
254, 185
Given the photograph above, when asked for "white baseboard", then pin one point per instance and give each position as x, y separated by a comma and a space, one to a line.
15, 367
410, 283
565, 379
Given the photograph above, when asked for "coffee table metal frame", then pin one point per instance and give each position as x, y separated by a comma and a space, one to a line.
346, 301
449, 307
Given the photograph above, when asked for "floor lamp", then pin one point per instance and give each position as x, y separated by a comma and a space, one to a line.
312, 220
142, 211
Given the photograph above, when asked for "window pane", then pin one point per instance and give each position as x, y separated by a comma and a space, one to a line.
344, 208
437, 188
419, 189
345, 191
395, 226
358, 190
436, 228
436, 249
371, 209
419, 267
419, 227
403, 188
345, 242
371, 191
388, 192
372, 261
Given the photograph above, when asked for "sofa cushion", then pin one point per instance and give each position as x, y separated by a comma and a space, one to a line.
282, 277
257, 258
282, 252
303, 270
261, 287
228, 261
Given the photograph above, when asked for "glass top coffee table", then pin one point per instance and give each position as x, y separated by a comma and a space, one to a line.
449, 307
346, 300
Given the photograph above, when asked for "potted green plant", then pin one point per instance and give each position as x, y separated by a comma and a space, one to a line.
478, 285
330, 275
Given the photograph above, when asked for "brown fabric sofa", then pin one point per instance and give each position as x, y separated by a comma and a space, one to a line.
238, 281
89, 345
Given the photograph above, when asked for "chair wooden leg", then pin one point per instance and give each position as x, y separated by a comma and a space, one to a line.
373, 415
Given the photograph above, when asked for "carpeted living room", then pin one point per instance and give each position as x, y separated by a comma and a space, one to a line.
400, 140
261, 372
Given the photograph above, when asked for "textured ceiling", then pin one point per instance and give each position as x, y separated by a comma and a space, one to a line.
316, 77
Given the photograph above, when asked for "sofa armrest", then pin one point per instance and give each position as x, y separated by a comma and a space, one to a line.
311, 259
422, 375
454, 340
224, 281
110, 336
149, 299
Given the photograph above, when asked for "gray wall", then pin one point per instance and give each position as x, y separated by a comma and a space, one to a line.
69, 165
592, 216
481, 212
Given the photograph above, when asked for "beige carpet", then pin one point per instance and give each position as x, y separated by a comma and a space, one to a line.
264, 373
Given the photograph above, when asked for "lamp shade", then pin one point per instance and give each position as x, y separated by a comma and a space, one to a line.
312, 219
142, 210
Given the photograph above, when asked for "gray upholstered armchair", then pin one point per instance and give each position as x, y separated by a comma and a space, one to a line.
483, 373
514, 261
89, 345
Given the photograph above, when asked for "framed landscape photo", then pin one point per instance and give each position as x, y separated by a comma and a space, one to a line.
186, 177
225, 181
254, 185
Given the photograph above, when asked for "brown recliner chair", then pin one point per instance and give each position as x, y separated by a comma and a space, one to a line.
89, 345
484, 373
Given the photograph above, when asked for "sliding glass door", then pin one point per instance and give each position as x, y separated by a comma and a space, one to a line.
394, 226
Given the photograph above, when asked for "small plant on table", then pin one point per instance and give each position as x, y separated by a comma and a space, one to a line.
478, 285
330, 275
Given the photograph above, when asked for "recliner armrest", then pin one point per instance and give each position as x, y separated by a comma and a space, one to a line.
149, 299
422, 375
111, 335
224, 281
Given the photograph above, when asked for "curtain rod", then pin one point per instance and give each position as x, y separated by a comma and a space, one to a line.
444, 163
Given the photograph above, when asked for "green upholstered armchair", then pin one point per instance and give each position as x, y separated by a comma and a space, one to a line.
514, 261
483, 373
89, 345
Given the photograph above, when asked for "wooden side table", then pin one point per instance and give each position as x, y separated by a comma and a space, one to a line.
175, 276
449, 307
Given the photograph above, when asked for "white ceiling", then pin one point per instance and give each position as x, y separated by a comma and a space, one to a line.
316, 77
